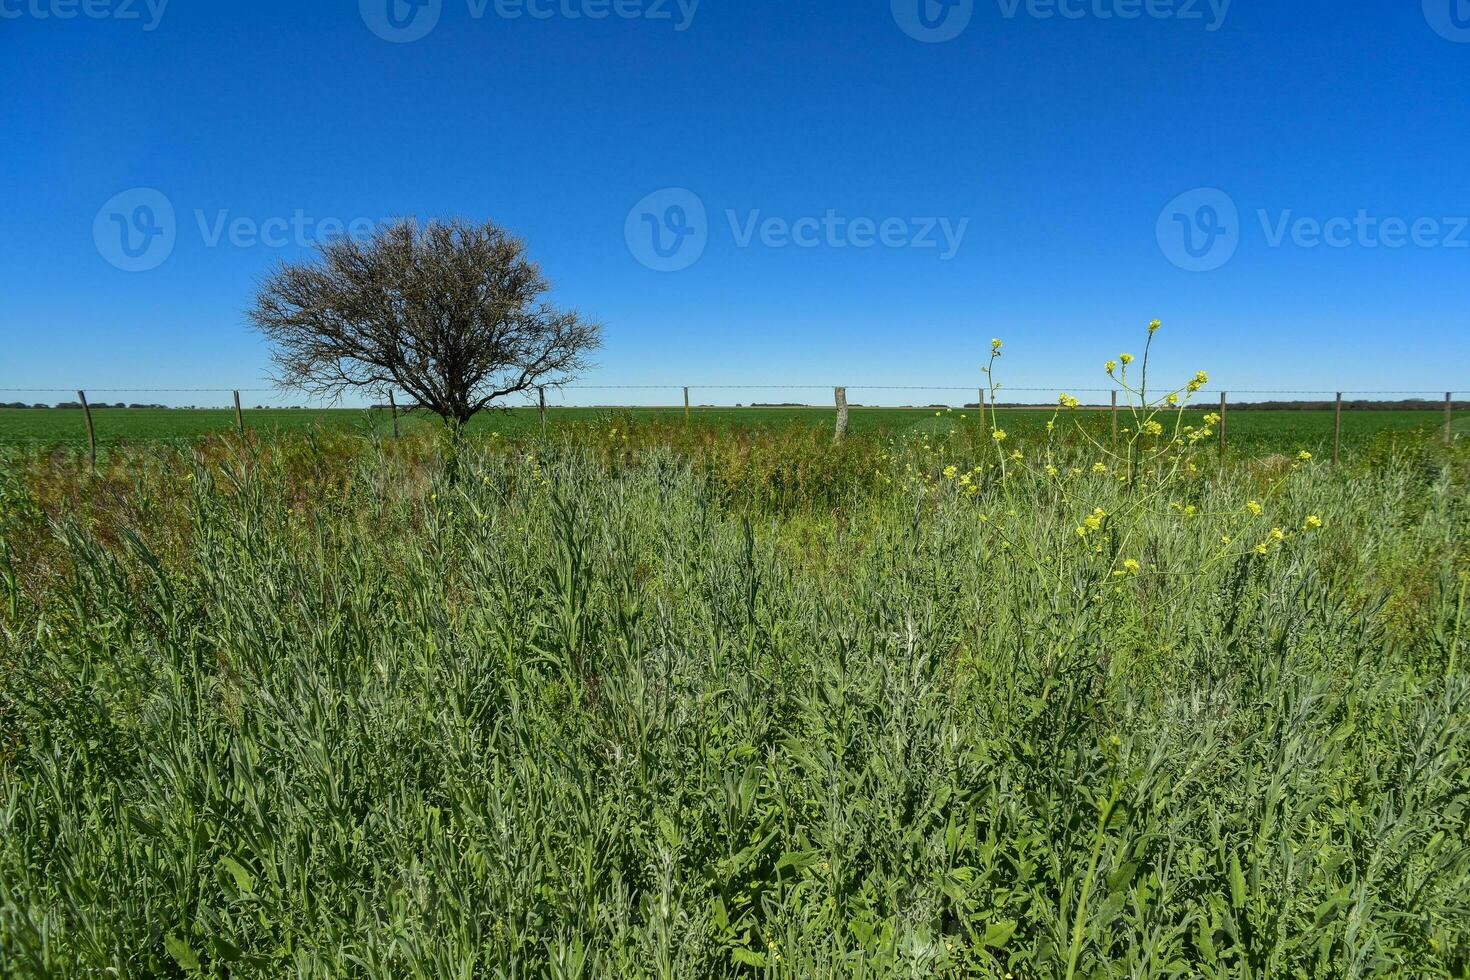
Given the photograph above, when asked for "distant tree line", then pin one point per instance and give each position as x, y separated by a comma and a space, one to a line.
94, 405
181, 408
1401, 405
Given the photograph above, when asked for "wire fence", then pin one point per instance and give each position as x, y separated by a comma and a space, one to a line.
1118, 402
1052, 390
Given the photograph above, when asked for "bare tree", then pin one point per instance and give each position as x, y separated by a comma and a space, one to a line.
451, 313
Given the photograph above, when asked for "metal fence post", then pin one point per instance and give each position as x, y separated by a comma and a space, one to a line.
1337, 431
91, 433
1222, 423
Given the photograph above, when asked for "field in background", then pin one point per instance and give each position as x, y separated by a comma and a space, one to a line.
1249, 430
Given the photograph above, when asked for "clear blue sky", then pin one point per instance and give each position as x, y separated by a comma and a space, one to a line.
1056, 144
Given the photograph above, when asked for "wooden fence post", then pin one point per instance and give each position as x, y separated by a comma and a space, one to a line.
686, 404
1449, 417
1337, 432
393, 408
541, 392
841, 394
1222, 423
91, 434
1115, 415
982, 409
239, 417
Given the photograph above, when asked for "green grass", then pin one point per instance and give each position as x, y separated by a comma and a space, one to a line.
1250, 431
718, 703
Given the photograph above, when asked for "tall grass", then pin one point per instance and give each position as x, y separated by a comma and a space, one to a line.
644, 703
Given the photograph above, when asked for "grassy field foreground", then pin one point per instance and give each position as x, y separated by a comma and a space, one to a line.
637, 702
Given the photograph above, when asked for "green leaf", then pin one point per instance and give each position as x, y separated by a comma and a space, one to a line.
748, 957
244, 880
178, 947
997, 934
798, 859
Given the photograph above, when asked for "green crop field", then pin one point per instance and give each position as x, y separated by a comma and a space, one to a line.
1258, 431
638, 699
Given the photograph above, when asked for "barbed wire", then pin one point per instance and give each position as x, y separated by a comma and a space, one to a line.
765, 387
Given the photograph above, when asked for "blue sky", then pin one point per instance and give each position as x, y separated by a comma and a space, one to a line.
1031, 177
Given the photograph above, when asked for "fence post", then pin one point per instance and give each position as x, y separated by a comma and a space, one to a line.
982, 410
239, 418
1115, 415
541, 392
686, 404
393, 408
1337, 431
841, 394
91, 434
1449, 417
1222, 423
